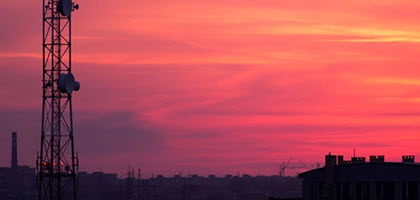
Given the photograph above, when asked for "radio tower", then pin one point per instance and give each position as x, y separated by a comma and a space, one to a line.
57, 164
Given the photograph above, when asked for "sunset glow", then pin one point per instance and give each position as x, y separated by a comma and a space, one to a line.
222, 86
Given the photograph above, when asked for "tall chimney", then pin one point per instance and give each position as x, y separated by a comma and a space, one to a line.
14, 150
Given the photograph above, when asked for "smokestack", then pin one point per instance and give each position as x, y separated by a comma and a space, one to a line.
14, 150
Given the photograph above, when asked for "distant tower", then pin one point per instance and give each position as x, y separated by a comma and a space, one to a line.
138, 183
14, 150
57, 164
131, 193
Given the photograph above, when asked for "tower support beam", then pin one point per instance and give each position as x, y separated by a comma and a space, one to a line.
57, 164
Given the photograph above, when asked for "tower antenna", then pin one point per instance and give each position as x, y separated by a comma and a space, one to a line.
57, 164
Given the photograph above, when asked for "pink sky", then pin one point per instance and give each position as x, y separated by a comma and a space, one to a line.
222, 86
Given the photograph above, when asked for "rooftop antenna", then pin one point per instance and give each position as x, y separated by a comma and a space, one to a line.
354, 152
57, 163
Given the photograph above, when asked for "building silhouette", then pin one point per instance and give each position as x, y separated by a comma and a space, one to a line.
17, 182
357, 179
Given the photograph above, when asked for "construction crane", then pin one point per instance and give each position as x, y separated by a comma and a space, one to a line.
304, 166
283, 167
297, 166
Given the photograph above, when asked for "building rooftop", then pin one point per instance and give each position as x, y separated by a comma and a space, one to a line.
357, 169
366, 172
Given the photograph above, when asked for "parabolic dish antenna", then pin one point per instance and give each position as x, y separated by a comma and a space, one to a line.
67, 84
65, 7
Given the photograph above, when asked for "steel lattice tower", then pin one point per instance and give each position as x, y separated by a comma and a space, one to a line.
57, 164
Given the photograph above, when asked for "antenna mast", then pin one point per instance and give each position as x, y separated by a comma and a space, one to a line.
57, 164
